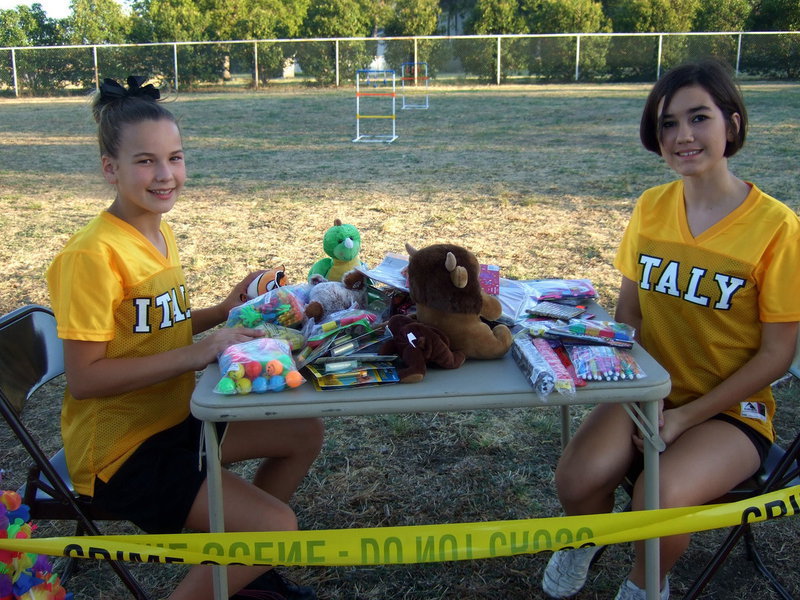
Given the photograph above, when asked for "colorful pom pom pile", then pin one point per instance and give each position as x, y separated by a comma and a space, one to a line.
24, 576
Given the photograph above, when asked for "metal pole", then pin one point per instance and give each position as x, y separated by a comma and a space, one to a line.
660, 43
337, 63
652, 547
255, 64
738, 54
577, 57
416, 66
498, 60
14, 72
175, 63
96, 73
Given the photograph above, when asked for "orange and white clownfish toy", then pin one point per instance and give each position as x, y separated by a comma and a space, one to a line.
266, 281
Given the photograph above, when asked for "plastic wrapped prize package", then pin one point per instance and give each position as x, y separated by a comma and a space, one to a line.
604, 363
541, 366
561, 290
555, 310
283, 306
257, 366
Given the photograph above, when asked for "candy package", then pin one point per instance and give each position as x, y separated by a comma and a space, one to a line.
283, 306
257, 366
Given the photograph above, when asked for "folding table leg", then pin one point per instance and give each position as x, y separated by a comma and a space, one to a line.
215, 510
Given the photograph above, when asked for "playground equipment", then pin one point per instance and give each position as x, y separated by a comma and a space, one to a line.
414, 84
373, 88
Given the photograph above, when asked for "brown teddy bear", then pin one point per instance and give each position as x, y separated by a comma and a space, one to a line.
443, 282
417, 345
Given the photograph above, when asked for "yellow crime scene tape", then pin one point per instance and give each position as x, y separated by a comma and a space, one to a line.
413, 544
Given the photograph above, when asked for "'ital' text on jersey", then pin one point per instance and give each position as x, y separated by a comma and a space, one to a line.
667, 282
170, 308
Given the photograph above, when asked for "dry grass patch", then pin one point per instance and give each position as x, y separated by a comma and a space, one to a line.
539, 180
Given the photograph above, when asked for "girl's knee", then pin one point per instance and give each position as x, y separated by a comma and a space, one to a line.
286, 519
570, 482
312, 434
274, 516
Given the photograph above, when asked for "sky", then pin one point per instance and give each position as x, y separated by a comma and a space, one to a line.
55, 9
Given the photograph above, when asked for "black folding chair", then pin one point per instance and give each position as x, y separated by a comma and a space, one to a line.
779, 470
31, 355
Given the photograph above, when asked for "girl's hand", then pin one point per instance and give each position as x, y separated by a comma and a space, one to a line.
238, 294
207, 349
671, 425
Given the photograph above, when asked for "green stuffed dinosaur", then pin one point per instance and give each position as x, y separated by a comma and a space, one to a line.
342, 244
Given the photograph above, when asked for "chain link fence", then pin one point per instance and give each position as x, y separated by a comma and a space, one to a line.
451, 60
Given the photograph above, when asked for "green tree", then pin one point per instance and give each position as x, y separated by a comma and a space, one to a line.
173, 20
414, 17
775, 15
491, 17
554, 58
496, 16
564, 16
634, 59
644, 16
722, 15
335, 18
97, 22
779, 55
29, 26
256, 19
455, 10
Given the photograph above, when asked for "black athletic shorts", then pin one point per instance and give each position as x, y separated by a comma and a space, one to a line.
156, 487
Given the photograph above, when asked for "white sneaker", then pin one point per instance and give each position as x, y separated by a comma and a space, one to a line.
630, 591
567, 570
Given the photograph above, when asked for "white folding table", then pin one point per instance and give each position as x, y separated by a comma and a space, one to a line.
476, 385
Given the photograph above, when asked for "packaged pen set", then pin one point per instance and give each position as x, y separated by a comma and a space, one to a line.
561, 347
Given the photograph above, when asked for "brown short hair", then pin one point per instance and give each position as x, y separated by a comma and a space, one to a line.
714, 77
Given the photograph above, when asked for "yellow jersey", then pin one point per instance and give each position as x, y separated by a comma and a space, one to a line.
703, 298
110, 284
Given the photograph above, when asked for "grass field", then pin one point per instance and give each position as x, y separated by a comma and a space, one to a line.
538, 180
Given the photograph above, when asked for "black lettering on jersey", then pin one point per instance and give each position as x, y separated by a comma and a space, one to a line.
692, 295
142, 308
728, 285
648, 262
163, 302
172, 306
667, 281
177, 315
187, 310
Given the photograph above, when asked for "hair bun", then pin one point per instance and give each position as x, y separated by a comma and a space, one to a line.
111, 90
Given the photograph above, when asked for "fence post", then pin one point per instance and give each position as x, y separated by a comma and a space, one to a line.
416, 60
255, 64
175, 63
337, 63
738, 53
498, 59
660, 43
14, 71
96, 70
577, 57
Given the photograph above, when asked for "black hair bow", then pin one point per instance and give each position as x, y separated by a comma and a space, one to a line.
110, 89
